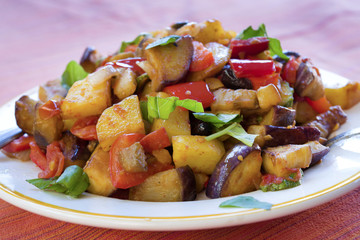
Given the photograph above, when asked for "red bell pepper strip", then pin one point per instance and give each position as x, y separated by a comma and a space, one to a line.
290, 69
49, 109
202, 58
119, 177
128, 63
54, 161
85, 128
20, 144
320, 106
252, 68
198, 91
249, 46
258, 82
155, 140
37, 156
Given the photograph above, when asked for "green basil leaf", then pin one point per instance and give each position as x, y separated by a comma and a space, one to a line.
250, 32
236, 131
158, 107
136, 41
47, 184
220, 133
163, 41
274, 44
276, 49
245, 202
144, 111
218, 120
73, 181
190, 104
240, 134
72, 73
161, 107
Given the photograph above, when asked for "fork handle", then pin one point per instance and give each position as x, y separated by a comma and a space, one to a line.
8, 135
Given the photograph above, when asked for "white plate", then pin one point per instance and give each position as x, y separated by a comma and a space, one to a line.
336, 175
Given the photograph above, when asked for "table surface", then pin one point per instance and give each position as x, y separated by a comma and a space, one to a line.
39, 37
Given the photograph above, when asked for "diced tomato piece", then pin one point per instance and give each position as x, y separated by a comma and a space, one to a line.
202, 57
252, 68
49, 109
320, 106
54, 161
289, 71
37, 156
85, 128
128, 63
155, 140
20, 144
198, 91
249, 46
258, 82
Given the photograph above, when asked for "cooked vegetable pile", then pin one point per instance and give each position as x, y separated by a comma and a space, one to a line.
178, 111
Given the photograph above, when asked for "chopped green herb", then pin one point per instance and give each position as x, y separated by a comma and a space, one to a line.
236, 131
250, 32
218, 120
158, 107
274, 44
164, 41
73, 182
245, 202
136, 41
72, 73
285, 184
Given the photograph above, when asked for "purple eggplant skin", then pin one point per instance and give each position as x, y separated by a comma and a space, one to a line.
225, 166
75, 150
308, 82
25, 113
318, 151
188, 181
279, 116
88, 59
272, 136
328, 121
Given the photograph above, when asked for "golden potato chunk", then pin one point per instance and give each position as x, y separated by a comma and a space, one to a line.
123, 117
201, 155
90, 96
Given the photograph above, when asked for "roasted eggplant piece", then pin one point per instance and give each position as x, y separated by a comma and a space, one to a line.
25, 113
318, 151
133, 158
281, 160
89, 59
48, 129
279, 116
329, 121
52, 90
75, 150
97, 169
304, 112
268, 96
272, 136
229, 79
173, 185
308, 82
229, 100
221, 56
237, 172
168, 64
